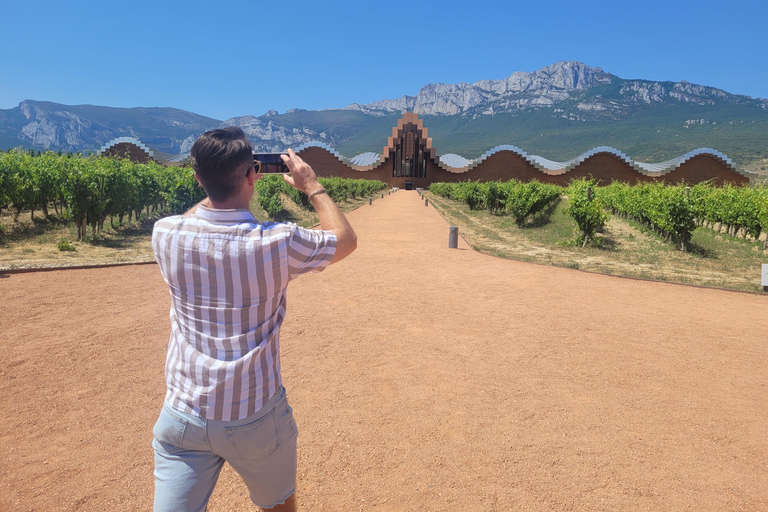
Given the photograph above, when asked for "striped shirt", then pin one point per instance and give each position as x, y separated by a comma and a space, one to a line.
227, 275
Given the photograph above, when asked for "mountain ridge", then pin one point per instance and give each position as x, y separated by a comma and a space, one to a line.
569, 104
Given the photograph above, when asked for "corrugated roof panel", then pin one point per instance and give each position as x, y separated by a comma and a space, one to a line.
455, 161
364, 159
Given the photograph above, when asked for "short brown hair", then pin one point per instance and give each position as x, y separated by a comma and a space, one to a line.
217, 157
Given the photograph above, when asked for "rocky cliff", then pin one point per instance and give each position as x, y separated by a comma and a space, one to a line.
592, 93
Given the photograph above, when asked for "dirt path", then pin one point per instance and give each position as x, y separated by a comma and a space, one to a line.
421, 378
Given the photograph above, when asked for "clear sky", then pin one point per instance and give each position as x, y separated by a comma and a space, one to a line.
240, 57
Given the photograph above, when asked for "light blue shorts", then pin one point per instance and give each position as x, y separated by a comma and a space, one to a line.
190, 452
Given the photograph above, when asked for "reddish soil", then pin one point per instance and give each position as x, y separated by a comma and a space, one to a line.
421, 378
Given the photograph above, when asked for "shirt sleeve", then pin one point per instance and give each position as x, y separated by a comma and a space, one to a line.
309, 250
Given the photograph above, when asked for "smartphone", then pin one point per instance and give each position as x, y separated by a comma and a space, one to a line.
271, 163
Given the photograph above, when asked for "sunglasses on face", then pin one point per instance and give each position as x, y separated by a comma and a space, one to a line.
256, 165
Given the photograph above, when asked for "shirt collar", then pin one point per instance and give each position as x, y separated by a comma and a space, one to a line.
216, 215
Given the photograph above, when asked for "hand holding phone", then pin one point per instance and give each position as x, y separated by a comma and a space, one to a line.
271, 163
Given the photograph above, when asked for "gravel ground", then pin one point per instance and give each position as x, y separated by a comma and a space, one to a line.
421, 378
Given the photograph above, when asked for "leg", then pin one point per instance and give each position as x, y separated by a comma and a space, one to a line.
185, 469
288, 506
184, 480
262, 449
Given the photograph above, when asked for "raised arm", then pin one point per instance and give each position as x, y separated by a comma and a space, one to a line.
303, 178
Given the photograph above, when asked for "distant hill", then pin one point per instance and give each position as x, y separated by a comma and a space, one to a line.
46, 125
558, 112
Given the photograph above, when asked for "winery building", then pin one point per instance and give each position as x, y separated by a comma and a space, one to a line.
410, 160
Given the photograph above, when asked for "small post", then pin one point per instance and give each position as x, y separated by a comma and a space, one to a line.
382, 195
426, 202
370, 201
453, 237
764, 280
687, 193
589, 193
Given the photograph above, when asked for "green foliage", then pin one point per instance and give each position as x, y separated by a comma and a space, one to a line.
496, 197
527, 199
66, 245
734, 207
520, 200
268, 189
666, 209
587, 209
475, 194
180, 189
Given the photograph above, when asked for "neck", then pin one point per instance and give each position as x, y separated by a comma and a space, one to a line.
235, 203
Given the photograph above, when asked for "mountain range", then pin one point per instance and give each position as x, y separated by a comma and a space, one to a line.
558, 111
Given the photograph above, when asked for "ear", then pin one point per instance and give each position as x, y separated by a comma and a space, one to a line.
198, 180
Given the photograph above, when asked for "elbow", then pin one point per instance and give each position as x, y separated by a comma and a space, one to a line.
345, 247
348, 247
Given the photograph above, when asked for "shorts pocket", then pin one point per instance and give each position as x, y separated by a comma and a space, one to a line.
255, 441
287, 425
169, 432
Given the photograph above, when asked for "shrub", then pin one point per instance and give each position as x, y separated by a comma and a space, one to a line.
268, 189
587, 209
527, 199
66, 245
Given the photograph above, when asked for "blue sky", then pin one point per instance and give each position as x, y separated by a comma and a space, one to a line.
241, 57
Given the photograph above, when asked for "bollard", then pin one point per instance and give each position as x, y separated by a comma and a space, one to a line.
382, 195
426, 202
453, 237
764, 279
370, 200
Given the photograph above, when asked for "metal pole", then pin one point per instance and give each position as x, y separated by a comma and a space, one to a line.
370, 200
453, 237
426, 202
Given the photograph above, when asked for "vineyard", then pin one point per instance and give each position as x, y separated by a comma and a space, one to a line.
88, 190
47, 202
672, 211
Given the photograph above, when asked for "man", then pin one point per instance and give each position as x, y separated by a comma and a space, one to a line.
227, 275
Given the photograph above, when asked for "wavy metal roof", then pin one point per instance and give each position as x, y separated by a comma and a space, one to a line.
155, 154
457, 163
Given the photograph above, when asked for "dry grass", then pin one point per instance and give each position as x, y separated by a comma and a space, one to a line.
33, 244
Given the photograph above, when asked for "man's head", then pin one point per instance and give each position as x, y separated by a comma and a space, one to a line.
222, 159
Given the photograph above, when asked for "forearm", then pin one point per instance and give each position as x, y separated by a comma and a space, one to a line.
304, 179
333, 219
